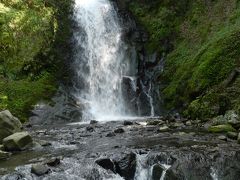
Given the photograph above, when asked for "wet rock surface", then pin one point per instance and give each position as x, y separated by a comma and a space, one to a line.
183, 153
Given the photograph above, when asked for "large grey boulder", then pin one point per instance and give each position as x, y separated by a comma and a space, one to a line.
18, 141
8, 124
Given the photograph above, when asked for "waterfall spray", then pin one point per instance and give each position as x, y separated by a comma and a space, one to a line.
100, 59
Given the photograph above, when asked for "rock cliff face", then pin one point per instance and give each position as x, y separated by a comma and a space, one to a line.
190, 51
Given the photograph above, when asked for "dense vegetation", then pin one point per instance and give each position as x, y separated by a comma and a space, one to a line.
33, 34
201, 40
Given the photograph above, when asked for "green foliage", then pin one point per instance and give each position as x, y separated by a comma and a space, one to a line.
31, 35
19, 96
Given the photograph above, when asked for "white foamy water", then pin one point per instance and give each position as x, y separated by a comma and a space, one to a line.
100, 60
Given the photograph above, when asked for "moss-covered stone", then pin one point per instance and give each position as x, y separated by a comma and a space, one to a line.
17, 142
221, 128
8, 124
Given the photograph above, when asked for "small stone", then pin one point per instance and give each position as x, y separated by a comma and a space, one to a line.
127, 123
188, 123
39, 169
111, 134
93, 122
232, 135
4, 155
164, 129
44, 143
53, 161
222, 137
119, 130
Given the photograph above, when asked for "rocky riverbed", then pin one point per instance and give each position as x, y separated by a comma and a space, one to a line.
140, 149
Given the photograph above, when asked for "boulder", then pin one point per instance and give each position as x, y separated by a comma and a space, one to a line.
18, 141
232, 135
157, 172
126, 165
221, 128
8, 124
40, 169
4, 155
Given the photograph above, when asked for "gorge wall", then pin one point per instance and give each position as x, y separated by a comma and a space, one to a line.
197, 42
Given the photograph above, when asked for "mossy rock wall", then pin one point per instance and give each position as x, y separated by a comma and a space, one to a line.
201, 40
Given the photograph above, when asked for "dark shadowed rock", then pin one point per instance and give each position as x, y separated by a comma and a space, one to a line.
106, 164
90, 128
126, 165
53, 161
157, 172
127, 123
111, 134
119, 130
232, 135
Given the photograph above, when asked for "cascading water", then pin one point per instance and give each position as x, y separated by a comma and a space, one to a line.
100, 61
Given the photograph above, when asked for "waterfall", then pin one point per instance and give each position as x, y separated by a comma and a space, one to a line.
100, 61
